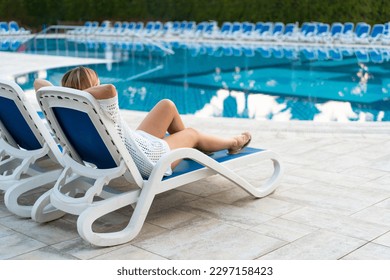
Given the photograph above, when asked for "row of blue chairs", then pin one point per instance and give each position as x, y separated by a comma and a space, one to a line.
317, 32
218, 49
12, 28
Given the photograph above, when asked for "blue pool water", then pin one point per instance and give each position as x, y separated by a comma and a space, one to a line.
262, 82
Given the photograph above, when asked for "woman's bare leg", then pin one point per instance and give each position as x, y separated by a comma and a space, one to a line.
191, 138
165, 117
162, 118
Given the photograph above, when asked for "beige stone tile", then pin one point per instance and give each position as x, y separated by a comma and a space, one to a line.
333, 198
238, 216
383, 240
81, 249
382, 163
319, 245
370, 251
329, 177
267, 205
284, 229
48, 233
375, 214
384, 204
230, 196
209, 186
17, 244
210, 239
4, 231
365, 172
45, 253
337, 223
171, 218
170, 199
129, 252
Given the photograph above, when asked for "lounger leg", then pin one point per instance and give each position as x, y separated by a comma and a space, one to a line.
13, 193
91, 214
43, 211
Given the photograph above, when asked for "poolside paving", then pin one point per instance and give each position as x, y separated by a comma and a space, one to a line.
333, 203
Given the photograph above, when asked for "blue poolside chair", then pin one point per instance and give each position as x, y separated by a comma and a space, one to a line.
182, 27
103, 29
82, 30
174, 30
200, 29
167, 28
348, 31
362, 32
385, 38
277, 31
323, 33
225, 30
258, 27
29, 156
189, 29
211, 30
96, 155
130, 28
376, 34
265, 32
14, 29
308, 32
236, 30
336, 31
290, 32
138, 28
148, 29
4, 29
247, 30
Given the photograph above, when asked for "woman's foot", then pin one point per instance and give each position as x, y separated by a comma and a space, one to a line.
243, 140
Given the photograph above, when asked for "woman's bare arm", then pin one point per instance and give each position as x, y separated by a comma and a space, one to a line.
102, 91
39, 83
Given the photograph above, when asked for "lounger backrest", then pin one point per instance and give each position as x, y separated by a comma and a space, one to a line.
362, 29
337, 28
13, 124
20, 122
83, 130
278, 28
377, 30
348, 28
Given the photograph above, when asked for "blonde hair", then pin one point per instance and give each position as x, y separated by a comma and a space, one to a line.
80, 78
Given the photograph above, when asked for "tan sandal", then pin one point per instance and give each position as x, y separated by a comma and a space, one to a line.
243, 140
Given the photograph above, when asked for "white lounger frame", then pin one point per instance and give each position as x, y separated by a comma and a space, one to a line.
19, 172
141, 198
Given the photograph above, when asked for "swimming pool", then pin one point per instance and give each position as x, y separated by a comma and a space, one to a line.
240, 81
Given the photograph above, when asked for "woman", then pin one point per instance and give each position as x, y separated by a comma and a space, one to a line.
150, 140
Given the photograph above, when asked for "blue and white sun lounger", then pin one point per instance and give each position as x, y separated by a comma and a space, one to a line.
29, 156
93, 150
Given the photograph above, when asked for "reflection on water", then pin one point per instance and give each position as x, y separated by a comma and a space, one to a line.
241, 81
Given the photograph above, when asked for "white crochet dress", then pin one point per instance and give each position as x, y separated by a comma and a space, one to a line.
144, 148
